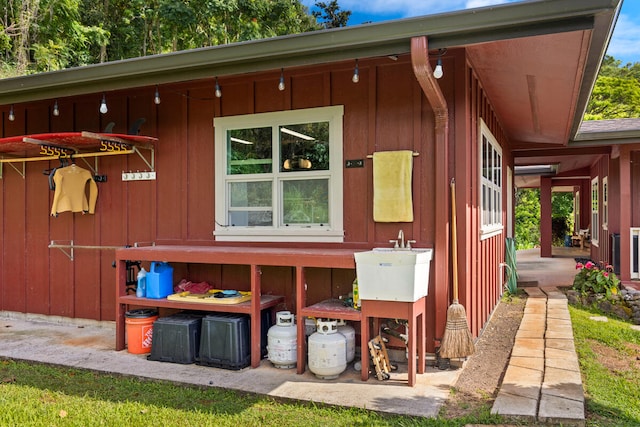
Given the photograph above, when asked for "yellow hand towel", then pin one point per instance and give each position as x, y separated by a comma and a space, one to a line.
392, 201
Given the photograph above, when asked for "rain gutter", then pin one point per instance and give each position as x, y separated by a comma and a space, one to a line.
424, 73
445, 30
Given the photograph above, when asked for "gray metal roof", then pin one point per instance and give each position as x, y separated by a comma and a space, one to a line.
607, 132
461, 28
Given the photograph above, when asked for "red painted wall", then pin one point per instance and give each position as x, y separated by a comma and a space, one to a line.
385, 111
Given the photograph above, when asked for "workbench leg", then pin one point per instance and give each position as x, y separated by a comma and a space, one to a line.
364, 348
411, 356
301, 301
256, 317
422, 348
121, 285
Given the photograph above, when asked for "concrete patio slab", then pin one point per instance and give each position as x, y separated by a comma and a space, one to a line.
90, 346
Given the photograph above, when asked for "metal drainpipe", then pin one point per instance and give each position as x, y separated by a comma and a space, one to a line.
424, 73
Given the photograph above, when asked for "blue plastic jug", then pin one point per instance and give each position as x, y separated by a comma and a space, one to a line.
159, 280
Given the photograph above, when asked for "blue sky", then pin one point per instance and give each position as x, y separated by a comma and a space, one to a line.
624, 45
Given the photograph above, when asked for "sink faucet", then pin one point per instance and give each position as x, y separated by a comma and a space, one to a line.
399, 243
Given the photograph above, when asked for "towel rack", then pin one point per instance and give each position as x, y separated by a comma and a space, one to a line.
415, 154
71, 246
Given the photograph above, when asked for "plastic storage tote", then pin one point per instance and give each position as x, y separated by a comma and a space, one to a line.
225, 341
176, 338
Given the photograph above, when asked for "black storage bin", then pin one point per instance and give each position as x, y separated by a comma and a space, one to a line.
265, 317
225, 341
176, 338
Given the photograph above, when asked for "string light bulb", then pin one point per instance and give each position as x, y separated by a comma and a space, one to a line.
218, 90
156, 97
56, 110
281, 84
356, 74
437, 72
12, 116
103, 105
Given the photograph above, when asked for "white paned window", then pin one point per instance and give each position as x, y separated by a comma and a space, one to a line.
490, 183
279, 176
595, 224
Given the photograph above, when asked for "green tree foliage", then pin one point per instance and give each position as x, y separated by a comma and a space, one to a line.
43, 35
527, 218
616, 93
331, 15
561, 216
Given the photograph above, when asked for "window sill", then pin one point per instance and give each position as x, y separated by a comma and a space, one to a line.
491, 232
297, 235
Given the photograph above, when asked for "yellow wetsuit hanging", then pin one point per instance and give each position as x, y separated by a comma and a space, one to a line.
70, 194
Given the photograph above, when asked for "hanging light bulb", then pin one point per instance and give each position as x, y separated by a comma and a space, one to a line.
218, 90
12, 116
103, 105
281, 84
356, 74
156, 97
56, 110
437, 73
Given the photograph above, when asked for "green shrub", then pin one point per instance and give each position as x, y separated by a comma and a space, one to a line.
594, 279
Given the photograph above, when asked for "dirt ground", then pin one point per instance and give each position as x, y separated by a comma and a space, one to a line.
483, 371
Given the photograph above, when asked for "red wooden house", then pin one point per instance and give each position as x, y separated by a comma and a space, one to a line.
515, 77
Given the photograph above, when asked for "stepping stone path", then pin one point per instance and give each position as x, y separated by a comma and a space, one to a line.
542, 381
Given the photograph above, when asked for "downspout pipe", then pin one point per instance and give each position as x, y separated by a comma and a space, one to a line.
424, 73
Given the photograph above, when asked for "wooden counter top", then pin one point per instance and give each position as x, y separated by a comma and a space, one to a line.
330, 258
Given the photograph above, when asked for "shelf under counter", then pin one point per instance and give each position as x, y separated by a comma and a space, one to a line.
266, 301
331, 309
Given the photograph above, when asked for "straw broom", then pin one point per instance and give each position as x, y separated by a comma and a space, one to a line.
457, 341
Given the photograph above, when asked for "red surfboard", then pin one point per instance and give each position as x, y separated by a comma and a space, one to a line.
49, 144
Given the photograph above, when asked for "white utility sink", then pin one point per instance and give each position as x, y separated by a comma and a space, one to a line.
393, 274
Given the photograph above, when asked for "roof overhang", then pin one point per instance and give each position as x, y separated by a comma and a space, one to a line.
466, 28
594, 139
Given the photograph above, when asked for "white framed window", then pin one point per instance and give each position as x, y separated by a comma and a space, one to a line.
595, 217
605, 203
490, 154
279, 176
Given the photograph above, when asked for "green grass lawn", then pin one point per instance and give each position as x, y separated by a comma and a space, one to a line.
608, 353
42, 395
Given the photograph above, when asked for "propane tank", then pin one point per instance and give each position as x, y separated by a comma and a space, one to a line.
327, 351
141, 289
350, 334
282, 341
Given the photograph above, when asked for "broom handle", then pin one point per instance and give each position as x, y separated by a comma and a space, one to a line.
454, 240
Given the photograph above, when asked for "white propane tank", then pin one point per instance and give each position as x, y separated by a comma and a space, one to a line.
350, 334
282, 341
327, 351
